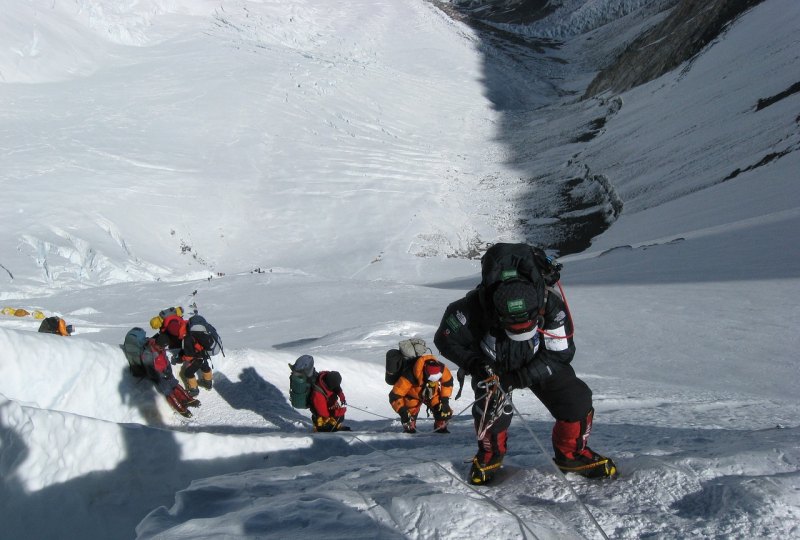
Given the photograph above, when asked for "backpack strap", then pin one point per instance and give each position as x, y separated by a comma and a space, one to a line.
460, 376
542, 310
542, 331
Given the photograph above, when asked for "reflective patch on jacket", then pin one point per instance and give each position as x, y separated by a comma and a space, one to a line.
556, 340
456, 320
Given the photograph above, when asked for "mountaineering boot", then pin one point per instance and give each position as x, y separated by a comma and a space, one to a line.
327, 424
572, 454
191, 387
178, 406
587, 463
440, 426
190, 383
184, 398
482, 473
410, 426
206, 380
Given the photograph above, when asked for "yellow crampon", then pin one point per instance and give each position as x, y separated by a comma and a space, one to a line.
596, 469
482, 473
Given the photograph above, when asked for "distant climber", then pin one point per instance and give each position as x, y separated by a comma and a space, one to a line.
327, 402
56, 325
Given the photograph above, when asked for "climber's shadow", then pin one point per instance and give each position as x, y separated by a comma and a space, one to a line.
141, 394
254, 393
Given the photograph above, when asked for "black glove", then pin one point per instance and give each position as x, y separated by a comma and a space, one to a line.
509, 381
480, 370
538, 371
403, 415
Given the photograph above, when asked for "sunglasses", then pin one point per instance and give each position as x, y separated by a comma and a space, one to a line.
522, 317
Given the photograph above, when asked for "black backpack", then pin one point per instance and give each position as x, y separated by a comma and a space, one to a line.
509, 262
198, 323
50, 326
506, 262
503, 262
400, 359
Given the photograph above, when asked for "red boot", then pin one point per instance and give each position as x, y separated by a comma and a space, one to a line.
178, 406
184, 398
574, 455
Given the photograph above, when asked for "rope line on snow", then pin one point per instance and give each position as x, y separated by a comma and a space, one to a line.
348, 404
560, 474
523, 526
494, 502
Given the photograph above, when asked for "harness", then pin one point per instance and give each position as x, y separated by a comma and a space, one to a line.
496, 403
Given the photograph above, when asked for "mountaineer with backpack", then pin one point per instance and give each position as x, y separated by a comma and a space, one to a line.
147, 358
321, 392
514, 331
421, 380
170, 323
328, 404
192, 342
56, 325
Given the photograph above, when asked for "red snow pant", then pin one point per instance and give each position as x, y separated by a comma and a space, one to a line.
569, 400
566, 397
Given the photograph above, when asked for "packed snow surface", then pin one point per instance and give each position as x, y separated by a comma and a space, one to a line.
320, 179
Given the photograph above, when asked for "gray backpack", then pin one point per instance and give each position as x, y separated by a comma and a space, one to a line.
301, 381
133, 346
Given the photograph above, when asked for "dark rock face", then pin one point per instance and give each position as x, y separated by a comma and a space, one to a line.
684, 33
505, 11
564, 207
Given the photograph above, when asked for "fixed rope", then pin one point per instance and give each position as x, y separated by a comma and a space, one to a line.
523, 526
394, 418
494, 502
350, 405
560, 474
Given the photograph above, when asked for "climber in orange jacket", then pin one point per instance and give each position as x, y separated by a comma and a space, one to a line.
428, 382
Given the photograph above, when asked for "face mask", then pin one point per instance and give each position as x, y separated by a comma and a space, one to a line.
525, 336
433, 377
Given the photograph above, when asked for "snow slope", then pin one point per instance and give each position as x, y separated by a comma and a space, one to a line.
316, 180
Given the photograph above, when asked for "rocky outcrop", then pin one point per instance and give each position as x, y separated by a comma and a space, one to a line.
690, 26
